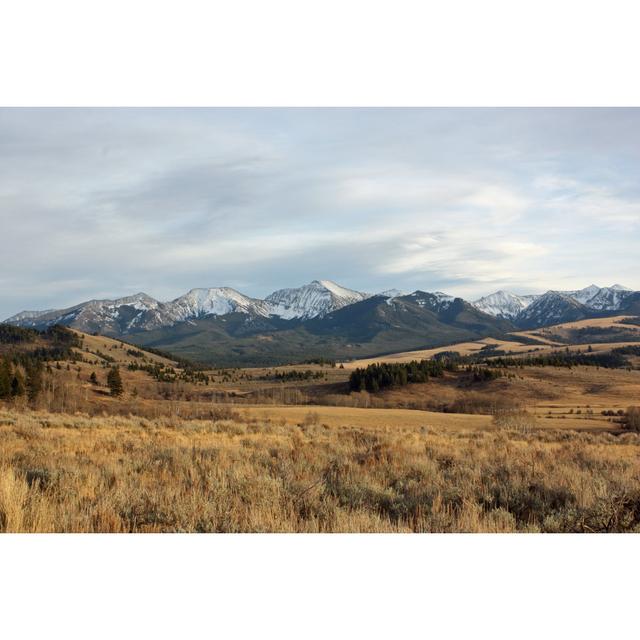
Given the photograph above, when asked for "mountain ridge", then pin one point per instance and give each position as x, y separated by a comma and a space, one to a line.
317, 300
141, 311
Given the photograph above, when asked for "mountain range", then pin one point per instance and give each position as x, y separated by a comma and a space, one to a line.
322, 319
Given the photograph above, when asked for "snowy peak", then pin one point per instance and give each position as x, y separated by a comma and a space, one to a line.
392, 293
27, 316
602, 298
315, 299
218, 301
140, 301
142, 312
503, 304
336, 289
584, 295
113, 316
514, 307
552, 307
436, 301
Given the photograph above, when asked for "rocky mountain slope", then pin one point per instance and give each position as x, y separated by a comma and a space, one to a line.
322, 319
555, 306
375, 325
503, 304
312, 300
142, 313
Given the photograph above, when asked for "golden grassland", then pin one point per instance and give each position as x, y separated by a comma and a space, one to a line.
463, 348
541, 449
94, 345
541, 337
245, 473
561, 398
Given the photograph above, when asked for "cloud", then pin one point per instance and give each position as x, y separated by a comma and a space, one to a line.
106, 202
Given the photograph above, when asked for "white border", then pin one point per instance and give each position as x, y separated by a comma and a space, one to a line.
73, 52
312, 53
318, 586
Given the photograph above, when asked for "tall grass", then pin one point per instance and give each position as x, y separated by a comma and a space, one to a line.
227, 474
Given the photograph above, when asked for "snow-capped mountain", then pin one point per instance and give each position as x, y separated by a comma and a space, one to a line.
550, 308
583, 295
141, 312
503, 304
122, 314
25, 316
601, 298
436, 301
220, 301
319, 299
312, 300
392, 293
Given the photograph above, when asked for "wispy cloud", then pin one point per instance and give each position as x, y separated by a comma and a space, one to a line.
109, 201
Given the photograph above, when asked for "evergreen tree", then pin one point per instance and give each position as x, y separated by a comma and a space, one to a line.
34, 380
17, 384
93, 378
5, 379
114, 381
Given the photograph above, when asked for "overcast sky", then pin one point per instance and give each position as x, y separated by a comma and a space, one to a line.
107, 202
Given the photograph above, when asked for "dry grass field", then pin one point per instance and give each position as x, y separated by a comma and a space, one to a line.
289, 448
361, 417
249, 474
116, 349
463, 348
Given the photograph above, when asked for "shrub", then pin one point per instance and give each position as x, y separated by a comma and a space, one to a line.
516, 420
632, 419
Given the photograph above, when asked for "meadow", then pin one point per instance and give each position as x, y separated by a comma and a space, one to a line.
243, 473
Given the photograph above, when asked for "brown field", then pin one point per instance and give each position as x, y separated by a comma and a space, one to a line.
541, 449
249, 474
463, 348
360, 417
115, 349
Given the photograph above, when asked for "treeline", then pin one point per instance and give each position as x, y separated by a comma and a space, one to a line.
328, 362
294, 374
26, 351
56, 335
568, 359
183, 363
16, 335
163, 373
383, 375
17, 381
485, 374
629, 350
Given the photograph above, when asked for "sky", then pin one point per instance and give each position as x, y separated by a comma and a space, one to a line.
102, 203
